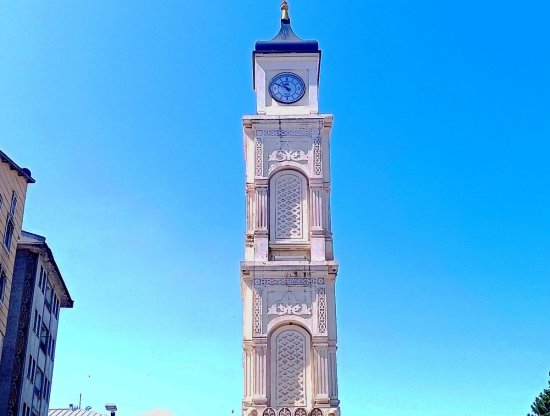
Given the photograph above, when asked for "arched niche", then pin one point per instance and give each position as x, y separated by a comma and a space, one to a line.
291, 367
288, 207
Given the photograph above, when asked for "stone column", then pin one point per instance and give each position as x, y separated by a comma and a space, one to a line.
260, 375
248, 367
321, 371
261, 235
332, 378
317, 221
250, 220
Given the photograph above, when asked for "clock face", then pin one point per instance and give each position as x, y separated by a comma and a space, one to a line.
287, 88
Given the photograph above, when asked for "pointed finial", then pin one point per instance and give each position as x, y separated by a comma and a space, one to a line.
284, 10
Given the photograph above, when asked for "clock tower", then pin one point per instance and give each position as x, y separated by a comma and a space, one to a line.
289, 273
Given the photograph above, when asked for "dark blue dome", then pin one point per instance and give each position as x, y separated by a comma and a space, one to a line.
286, 41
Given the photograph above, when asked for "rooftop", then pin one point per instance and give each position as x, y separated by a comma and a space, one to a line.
69, 412
37, 243
286, 40
14, 166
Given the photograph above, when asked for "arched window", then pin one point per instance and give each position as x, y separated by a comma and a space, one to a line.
288, 207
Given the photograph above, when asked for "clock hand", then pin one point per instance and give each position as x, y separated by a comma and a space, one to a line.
283, 85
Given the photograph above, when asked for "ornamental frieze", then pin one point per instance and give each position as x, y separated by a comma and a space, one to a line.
285, 133
289, 305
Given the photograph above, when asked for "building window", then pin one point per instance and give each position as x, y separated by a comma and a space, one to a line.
48, 295
35, 321
46, 389
26, 410
8, 235
13, 205
56, 306
42, 280
31, 369
39, 383
44, 338
3, 284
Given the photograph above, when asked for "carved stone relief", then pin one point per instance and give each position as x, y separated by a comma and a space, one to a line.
257, 318
279, 299
289, 305
259, 157
299, 281
317, 156
284, 133
286, 155
294, 152
269, 412
289, 209
322, 309
291, 368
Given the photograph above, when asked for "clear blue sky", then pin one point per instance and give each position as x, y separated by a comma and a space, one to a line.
129, 115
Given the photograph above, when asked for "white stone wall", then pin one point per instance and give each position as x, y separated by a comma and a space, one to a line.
288, 146
266, 66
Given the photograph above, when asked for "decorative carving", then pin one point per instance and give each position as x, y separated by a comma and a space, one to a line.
289, 305
269, 412
300, 412
316, 412
288, 207
287, 155
291, 365
257, 312
285, 412
259, 157
306, 281
283, 133
317, 156
322, 309
281, 309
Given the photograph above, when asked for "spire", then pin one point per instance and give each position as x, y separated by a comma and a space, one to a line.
284, 11
286, 40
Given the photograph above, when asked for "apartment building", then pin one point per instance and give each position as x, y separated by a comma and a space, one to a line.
13, 191
38, 294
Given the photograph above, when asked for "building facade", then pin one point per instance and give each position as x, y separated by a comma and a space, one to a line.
13, 192
38, 294
289, 273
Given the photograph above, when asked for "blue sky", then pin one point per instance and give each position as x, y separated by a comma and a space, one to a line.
129, 116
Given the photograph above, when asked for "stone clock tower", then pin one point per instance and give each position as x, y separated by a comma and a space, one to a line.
289, 273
